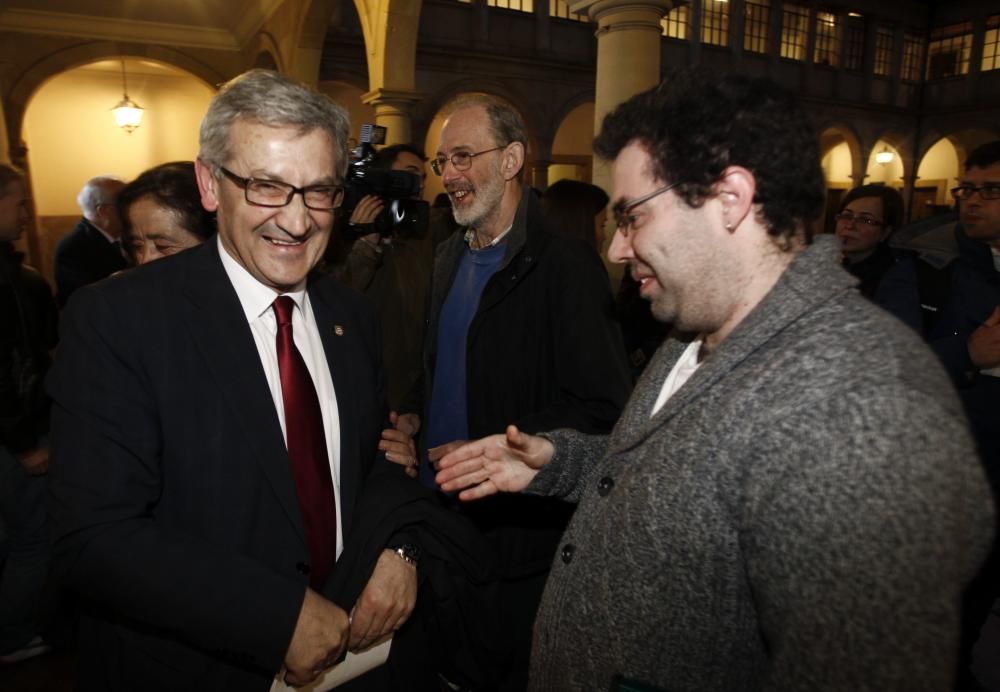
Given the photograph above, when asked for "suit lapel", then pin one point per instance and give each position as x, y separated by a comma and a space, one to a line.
219, 327
339, 334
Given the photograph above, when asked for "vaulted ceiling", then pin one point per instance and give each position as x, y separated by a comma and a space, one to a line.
220, 24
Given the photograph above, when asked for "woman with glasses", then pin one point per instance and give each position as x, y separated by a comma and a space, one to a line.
868, 215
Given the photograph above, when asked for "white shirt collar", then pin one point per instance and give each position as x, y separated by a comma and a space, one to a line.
255, 297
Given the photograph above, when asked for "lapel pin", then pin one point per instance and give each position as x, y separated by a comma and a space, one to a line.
338, 330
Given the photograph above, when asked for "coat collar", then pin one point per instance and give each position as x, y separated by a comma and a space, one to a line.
812, 278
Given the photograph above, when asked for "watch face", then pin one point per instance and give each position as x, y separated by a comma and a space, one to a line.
409, 552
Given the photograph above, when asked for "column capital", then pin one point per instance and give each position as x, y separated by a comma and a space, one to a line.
399, 98
596, 9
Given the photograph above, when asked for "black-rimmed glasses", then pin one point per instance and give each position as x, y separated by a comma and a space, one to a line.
461, 160
848, 217
988, 191
622, 210
274, 193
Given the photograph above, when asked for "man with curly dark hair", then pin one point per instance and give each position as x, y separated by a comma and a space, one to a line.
790, 500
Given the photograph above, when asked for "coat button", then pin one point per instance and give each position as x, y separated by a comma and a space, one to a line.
567, 552
605, 485
302, 568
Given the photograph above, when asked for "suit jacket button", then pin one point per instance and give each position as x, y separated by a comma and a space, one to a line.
302, 568
567, 552
605, 485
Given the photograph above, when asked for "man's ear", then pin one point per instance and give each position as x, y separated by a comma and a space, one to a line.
513, 160
735, 191
207, 185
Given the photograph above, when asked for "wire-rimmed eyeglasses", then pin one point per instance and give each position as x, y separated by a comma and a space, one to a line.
275, 193
461, 160
856, 219
622, 210
988, 191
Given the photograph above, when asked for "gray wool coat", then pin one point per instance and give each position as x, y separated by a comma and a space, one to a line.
801, 515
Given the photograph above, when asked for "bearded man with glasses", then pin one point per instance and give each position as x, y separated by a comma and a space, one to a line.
520, 329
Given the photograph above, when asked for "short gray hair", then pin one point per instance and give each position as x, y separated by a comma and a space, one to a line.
506, 123
266, 97
95, 192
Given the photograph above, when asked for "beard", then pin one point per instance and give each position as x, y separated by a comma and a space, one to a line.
487, 198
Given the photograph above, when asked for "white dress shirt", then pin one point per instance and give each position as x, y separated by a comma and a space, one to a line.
679, 374
256, 299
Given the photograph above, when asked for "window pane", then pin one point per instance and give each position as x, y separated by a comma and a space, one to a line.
519, 5
991, 44
826, 39
913, 57
884, 42
755, 31
794, 27
560, 8
854, 48
675, 23
715, 22
948, 51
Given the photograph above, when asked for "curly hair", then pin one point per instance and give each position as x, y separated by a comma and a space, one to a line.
694, 125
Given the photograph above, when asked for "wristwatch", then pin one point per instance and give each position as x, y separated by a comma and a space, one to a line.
409, 552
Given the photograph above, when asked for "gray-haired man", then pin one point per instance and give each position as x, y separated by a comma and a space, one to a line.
216, 422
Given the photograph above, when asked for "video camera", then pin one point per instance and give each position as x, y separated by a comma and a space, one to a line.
397, 189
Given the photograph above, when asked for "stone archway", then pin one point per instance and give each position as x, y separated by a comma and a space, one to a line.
28, 82
70, 135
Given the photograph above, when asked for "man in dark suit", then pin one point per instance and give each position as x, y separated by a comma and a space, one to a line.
91, 251
216, 420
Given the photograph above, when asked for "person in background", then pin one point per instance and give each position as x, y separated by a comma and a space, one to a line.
392, 266
216, 416
161, 213
956, 309
92, 250
577, 209
27, 334
520, 327
867, 217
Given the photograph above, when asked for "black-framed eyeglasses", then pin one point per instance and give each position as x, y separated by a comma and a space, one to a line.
622, 210
848, 217
274, 193
461, 160
988, 191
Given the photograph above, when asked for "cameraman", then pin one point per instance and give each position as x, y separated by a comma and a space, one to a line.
393, 270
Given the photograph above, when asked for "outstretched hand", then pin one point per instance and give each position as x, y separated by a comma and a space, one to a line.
498, 463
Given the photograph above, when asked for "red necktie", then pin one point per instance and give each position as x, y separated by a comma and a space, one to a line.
306, 448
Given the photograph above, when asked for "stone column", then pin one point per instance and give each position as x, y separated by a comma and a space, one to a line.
392, 111
628, 59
